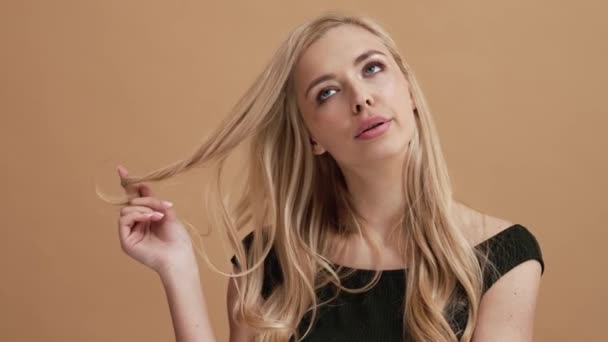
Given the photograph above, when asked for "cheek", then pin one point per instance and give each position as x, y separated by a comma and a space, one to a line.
396, 91
320, 124
400, 103
333, 115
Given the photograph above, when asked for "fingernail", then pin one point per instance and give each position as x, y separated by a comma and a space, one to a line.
167, 204
157, 214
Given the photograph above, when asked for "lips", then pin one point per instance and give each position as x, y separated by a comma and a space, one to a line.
370, 123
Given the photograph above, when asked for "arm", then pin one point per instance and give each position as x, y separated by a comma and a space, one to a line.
187, 304
238, 332
506, 312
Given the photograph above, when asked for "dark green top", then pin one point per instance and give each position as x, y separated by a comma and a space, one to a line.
376, 315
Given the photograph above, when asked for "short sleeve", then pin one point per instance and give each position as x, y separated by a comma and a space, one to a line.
272, 274
509, 248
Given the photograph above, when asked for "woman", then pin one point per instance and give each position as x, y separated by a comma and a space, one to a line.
356, 235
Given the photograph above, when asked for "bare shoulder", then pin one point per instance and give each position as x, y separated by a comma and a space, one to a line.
479, 226
507, 309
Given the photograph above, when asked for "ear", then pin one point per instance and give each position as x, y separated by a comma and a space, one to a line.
414, 107
317, 149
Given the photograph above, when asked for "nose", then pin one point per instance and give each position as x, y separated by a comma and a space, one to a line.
362, 99
359, 106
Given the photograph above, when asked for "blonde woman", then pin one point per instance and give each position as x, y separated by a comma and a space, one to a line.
347, 228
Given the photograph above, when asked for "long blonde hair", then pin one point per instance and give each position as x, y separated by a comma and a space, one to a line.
295, 202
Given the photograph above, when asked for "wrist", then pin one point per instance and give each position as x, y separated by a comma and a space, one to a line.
181, 267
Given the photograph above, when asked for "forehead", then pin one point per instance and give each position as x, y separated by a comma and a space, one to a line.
338, 47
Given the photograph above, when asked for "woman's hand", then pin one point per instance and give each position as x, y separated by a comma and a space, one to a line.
150, 232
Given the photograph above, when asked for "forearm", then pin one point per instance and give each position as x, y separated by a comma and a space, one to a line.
187, 304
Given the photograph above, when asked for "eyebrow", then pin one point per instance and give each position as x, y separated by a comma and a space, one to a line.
327, 77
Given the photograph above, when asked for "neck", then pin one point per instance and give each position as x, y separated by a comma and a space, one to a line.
377, 192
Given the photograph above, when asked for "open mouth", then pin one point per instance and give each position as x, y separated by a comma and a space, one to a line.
371, 128
374, 126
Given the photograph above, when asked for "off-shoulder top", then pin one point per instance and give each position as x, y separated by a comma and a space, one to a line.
377, 314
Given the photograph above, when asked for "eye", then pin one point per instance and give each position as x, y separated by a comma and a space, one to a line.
374, 65
324, 94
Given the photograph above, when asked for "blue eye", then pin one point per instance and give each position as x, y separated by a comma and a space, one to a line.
323, 95
378, 65
375, 65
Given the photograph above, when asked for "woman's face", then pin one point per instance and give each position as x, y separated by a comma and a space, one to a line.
344, 78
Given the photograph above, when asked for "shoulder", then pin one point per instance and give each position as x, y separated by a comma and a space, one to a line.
511, 288
477, 226
511, 280
505, 244
508, 247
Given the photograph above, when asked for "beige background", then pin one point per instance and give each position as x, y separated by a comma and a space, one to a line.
518, 90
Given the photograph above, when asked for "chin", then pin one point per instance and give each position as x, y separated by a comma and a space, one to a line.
383, 150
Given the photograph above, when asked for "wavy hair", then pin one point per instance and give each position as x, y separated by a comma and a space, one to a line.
296, 203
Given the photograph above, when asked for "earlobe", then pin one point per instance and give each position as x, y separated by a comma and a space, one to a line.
414, 107
318, 151
316, 148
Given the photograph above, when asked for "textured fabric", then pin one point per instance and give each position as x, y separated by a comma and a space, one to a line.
376, 315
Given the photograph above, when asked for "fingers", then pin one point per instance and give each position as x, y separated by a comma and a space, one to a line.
132, 190
145, 191
153, 203
135, 208
140, 195
127, 222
